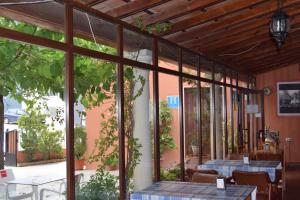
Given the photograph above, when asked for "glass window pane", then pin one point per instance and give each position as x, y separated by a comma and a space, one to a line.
219, 119
37, 20
168, 56
207, 119
137, 47
94, 33
191, 122
228, 76
190, 62
138, 128
219, 73
206, 67
34, 113
243, 80
169, 127
234, 77
96, 129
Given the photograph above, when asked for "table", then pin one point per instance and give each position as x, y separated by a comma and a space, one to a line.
226, 167
167, 190
36, 181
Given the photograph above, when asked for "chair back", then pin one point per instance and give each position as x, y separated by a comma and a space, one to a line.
234, 156
5, 176
260, 179
190, 172
204, 178
269, 156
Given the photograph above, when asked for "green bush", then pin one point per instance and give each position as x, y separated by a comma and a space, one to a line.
170, 174
79, 142
50, 142
101, 186
31, 126
166, 141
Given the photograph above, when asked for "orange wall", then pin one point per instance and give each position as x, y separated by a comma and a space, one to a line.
168, 87
288, 126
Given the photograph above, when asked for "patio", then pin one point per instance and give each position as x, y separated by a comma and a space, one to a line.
137, 99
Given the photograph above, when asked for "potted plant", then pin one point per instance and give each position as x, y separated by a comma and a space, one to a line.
195, 144
79, 146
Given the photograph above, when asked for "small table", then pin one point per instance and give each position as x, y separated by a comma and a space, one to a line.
36, 181
194, 191
226, 167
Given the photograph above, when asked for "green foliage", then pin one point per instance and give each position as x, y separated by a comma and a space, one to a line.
50, 142
107, 146
35, 135
79, 142
101, 186
154, 28
194, 141
166, 140
31, 126
170, 174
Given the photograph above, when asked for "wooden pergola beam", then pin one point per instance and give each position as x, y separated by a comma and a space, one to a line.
134, 7
227, 22
275, 66
271, 59
94, 2
218, 12
175, 10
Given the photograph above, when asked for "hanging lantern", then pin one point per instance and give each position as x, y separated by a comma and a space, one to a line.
279, 27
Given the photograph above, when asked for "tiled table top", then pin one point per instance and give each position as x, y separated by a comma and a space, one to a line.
225, 167
193, 191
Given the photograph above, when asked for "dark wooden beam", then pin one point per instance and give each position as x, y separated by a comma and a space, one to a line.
275, 67
270, 60
264, 50
226, 33
175, 10
214, 13
134, 7
94, 2
227, 22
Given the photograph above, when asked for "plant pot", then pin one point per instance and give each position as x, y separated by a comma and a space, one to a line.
79, 164
195, 150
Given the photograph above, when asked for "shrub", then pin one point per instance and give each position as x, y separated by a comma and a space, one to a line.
166, 140
170, 174
31, 125
101, 186
50, 142
79, 142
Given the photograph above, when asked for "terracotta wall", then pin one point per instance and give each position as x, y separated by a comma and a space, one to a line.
288, 126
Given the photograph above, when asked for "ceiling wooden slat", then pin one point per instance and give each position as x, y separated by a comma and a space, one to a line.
234, 32
231, 21
94, 2
134, 7
176, 10
214, 13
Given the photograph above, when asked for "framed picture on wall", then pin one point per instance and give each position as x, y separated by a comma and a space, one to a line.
288, 98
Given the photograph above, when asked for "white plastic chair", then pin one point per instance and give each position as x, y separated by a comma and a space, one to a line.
8, 191
62, 188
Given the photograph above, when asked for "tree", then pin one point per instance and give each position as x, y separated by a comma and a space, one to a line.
28, 70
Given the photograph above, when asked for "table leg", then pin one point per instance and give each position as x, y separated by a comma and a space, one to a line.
36, 192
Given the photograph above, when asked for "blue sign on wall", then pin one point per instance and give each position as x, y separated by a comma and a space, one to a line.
173, 101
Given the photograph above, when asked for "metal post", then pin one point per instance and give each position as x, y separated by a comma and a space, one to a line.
199, 118
181, 119
121, 118
156, 113
69, 84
